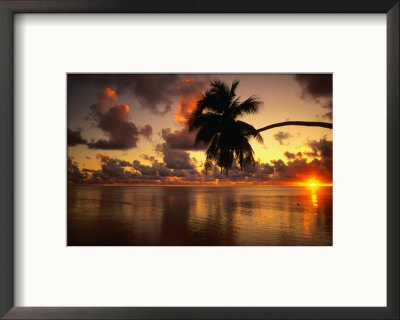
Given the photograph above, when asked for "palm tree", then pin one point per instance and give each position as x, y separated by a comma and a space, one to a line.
215, 118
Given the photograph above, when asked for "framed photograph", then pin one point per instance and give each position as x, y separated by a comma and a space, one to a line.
199, 160
203, 179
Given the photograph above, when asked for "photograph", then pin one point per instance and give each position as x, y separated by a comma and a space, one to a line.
200, 159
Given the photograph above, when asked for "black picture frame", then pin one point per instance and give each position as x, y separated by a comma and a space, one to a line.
7, 11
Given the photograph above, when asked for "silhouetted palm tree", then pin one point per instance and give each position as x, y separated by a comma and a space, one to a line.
216, 116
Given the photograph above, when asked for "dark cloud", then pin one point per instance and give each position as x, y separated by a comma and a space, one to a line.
328, 115
117, 171
279, 165
75, 138
155, 92
174, 158
112, 162
113, 169
280, 136
160, 170
149, 158
146, 131
181, 139
289, 155
74, 174
115, 122
144, 169
103, 97
257, 173
321, 148
315, 85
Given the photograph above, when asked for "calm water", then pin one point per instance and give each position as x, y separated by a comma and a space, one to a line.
180, 216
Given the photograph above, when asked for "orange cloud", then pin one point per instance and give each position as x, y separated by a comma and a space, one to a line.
106, 94
172, 179
191, 92
102, 156
122, 108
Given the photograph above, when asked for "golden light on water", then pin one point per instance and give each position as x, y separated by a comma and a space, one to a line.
314, 200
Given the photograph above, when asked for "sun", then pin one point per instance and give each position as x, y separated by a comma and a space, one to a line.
312, 183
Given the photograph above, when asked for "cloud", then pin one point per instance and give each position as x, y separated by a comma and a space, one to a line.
75, 138
154, 92
146, 131
103, 97
148, 158
118, 171
181, 139
115, 123
113, 171
103, 157
280, 136
258, 174
174, 158
328, 115
144, 169
321, 148
74, 174
315, 85
289, 155
106, 94
177, 168
190, 90
155, 169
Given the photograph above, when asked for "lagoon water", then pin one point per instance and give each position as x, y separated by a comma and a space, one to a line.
199, 216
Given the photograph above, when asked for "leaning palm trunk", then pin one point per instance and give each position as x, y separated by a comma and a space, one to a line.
215, 118
298, 123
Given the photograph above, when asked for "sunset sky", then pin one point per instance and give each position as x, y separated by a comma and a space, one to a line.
131, 129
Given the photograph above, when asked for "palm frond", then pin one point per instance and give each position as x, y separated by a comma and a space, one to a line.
198, 119
233, 88
249, 106
249, 130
